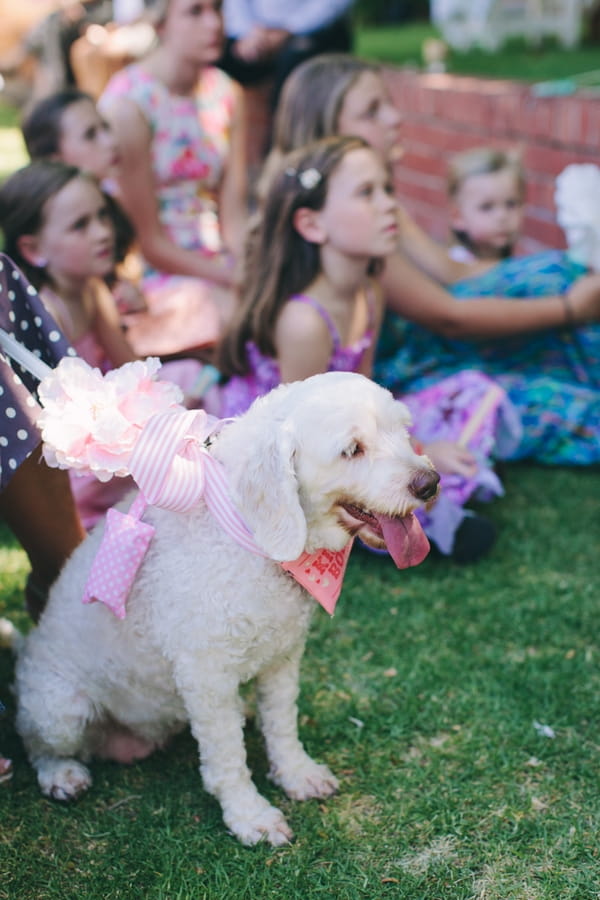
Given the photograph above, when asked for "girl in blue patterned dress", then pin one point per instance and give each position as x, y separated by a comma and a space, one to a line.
553, 376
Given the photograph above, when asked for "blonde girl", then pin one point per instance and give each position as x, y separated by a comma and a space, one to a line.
341, 94
486, 189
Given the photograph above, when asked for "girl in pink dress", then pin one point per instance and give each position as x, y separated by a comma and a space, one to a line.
182, 181
58, 229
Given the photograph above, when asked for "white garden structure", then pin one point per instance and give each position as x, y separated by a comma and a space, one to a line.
489, 23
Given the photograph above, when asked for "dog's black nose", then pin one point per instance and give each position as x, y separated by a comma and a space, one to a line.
424, 485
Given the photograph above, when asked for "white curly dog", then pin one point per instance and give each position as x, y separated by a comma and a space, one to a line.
308, 466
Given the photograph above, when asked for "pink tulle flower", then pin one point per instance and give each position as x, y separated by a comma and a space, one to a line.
90, 422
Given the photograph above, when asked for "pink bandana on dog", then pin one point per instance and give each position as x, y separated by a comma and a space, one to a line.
322, 574
173, 469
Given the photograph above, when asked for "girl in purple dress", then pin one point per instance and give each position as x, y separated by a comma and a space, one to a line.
312, 304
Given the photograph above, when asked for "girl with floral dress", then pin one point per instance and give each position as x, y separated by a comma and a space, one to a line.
178, 121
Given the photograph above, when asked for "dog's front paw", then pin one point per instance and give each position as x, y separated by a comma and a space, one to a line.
267, 824
306, 782
63, 779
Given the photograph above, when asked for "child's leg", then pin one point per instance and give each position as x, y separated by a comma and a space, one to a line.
38, 507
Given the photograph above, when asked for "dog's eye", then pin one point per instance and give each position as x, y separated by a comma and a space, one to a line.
355, 449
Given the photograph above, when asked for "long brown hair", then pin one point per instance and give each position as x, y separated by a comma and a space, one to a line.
279, 261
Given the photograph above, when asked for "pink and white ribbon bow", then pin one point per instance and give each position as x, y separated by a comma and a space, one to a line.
174, 470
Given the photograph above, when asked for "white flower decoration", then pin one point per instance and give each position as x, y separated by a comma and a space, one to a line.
309, 179
90, 422
577, 199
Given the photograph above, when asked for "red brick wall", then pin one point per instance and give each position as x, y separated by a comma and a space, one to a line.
444, 114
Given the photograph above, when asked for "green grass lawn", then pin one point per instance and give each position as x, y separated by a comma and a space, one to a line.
421, 694
12, 149
401, 45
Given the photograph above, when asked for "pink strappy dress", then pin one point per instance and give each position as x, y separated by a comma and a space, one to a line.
241, 390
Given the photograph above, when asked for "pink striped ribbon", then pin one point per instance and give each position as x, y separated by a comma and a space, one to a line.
174, 470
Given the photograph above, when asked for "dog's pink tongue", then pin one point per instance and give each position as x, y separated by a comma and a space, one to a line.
405, 540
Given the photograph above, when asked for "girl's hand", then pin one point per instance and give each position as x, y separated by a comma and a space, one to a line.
451, 459
128, 297
582, 302
224, 269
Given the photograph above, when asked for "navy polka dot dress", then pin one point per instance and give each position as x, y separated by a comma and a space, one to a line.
22, 315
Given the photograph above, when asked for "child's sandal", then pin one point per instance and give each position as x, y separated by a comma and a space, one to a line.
6, 769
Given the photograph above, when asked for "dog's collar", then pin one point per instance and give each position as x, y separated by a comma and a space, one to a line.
174, 470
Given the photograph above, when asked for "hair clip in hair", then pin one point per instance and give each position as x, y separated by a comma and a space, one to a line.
309, 179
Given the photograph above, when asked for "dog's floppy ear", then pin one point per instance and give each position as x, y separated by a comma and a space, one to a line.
265, 491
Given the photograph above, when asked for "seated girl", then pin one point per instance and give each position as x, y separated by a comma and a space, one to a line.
179, 125
552, 376
311, 303
58, 229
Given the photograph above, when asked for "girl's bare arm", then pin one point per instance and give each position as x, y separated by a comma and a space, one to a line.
233, 208
414, 296
107, 325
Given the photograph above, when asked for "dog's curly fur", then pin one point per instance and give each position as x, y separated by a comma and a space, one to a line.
205, 615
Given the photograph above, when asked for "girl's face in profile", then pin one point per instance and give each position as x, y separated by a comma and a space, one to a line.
368, 112
359, 217
489, 209
87, 142
77, 237
194, 28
